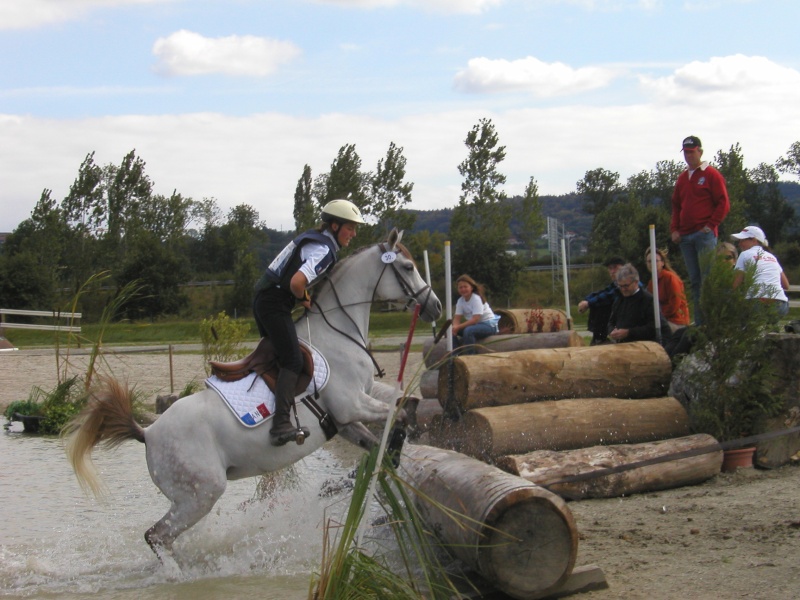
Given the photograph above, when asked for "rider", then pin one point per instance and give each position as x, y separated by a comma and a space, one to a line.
285, 284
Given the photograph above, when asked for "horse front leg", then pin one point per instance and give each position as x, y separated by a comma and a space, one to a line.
393, 396
357, 433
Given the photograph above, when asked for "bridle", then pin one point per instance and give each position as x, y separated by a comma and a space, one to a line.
388, 258
408, 291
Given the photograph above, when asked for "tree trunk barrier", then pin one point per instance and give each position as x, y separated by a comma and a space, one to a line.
531, 320
516, 535
633, 370
547, 467
434, 354
489, 433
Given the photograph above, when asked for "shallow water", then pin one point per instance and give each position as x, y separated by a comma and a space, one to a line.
57, 542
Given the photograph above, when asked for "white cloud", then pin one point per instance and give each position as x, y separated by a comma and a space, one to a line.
189, 53
530, 75
724, 79
25, 14
258, 159
442, 6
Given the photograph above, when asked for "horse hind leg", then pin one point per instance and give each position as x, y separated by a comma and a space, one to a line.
186, 510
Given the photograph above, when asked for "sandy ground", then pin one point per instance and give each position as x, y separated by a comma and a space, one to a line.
735, 536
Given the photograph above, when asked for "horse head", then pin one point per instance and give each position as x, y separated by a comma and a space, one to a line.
400, 280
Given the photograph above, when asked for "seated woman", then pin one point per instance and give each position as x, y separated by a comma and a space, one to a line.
728, 252
632, 318
770, 279
474, 319
671, 294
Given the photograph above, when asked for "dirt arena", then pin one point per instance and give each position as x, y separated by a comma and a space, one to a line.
735, 536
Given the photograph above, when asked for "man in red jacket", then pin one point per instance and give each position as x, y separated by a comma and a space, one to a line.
699, 204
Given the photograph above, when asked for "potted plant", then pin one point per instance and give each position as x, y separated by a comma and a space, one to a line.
728, 378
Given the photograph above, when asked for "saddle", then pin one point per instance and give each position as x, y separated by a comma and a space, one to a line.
264, 362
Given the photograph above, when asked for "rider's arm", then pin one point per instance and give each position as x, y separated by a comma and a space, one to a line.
298, 288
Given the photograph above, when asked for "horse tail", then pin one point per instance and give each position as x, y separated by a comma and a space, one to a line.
107, 418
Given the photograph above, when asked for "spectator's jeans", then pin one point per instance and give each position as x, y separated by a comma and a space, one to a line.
693, 246
469, 336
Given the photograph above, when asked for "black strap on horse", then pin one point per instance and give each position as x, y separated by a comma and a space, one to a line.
361, 344
325, 421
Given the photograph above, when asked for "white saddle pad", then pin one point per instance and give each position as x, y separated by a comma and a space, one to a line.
252, 401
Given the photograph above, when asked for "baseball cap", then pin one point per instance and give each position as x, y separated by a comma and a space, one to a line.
751, 231
692, 142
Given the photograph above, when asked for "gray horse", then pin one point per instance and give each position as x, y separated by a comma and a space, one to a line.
196, 446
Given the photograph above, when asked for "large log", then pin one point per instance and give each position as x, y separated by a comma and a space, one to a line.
434, 354
516, 535
488, 433
547, 467
531, 320
633, 370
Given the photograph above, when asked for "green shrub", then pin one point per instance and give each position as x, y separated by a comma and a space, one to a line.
731, 366
223, 338
27, 407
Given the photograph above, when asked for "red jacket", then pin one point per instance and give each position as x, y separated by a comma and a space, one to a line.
700, 201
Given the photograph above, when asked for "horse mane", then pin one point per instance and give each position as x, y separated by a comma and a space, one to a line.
403, 250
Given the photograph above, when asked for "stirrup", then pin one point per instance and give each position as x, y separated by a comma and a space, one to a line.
281, 438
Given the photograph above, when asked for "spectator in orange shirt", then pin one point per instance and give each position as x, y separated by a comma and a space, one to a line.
671, 293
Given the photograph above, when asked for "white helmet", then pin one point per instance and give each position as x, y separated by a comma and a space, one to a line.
341, 210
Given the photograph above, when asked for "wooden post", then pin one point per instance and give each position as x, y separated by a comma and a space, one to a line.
516, 535
171, 373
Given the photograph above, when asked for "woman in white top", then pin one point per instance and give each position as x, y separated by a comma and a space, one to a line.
474, 319
770, 279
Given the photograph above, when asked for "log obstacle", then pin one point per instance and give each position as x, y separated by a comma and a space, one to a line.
434, 354
531, 320
547, 467
488, 433
516, 535
633, 370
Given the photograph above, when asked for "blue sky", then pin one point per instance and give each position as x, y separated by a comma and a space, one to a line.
230, 99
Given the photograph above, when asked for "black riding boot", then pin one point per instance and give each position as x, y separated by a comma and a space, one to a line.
282, 429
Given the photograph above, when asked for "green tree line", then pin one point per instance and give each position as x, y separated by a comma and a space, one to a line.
112, 221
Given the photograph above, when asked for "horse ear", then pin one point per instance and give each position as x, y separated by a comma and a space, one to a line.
394, 238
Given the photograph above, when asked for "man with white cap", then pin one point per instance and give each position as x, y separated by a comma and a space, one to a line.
699, 204
769, 279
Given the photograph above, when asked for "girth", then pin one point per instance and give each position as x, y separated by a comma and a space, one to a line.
264, 362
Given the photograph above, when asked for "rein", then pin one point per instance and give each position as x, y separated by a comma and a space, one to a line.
362, 343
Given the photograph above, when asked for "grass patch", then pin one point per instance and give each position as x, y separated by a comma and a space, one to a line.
128, 333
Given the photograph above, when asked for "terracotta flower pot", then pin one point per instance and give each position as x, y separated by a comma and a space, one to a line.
740, 457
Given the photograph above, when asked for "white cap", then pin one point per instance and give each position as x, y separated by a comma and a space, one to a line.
751, 231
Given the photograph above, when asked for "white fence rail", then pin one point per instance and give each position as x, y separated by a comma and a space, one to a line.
793, 289
71, 317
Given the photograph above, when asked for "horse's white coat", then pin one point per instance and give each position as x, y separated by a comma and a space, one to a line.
197, 445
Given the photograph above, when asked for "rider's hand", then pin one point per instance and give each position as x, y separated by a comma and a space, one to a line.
305, 301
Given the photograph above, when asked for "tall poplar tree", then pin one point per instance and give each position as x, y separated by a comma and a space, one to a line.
479, 228
305, 212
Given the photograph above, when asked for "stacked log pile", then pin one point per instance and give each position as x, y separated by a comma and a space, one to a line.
598, 407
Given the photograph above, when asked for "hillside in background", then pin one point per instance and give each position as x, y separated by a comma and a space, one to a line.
567, 209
